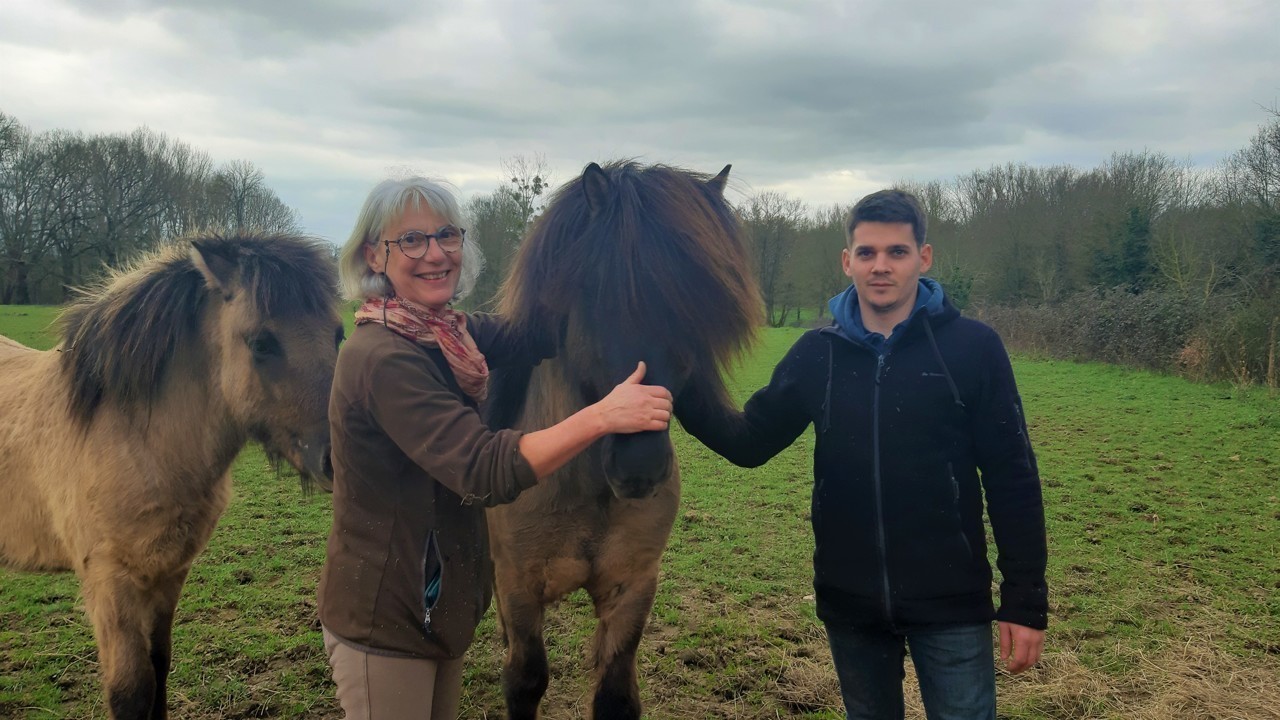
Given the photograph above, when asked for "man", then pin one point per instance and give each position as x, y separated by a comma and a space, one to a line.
917, 416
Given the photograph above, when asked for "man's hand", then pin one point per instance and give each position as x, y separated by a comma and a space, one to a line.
1020, 646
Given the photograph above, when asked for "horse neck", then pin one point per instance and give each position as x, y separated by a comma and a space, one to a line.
551, 397
190, 427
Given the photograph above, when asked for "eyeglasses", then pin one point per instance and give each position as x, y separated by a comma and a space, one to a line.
414, 243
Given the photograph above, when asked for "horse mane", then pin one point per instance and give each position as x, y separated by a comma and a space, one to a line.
121, 335
661, 230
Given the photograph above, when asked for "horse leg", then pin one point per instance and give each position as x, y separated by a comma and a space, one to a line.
161, 655
525, 673
165, 601
122, 617
622, 611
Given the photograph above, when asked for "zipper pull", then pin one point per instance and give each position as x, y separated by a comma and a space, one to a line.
879, 367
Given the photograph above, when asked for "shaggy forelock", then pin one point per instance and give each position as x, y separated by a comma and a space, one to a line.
120, 337
664, 258
286, 274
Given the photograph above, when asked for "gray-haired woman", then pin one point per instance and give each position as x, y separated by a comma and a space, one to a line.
406, 576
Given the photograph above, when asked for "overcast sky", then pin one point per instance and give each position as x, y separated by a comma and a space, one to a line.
823, 100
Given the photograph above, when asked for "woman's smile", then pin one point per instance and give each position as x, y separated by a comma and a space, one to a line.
431, 280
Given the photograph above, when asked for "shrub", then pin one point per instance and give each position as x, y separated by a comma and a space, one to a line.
1221, 338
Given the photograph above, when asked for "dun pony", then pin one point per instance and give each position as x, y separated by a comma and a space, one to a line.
635, 263
116, 446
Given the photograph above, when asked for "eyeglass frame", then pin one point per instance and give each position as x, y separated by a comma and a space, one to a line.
427, 238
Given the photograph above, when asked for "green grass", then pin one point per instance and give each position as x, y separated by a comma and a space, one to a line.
245, 636
1162, 502
30, 325
1163, 522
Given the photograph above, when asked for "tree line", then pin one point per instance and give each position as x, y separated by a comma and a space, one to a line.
71, 204
1143, 260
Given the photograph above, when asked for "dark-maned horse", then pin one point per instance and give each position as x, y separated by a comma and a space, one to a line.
636, 263
116, 446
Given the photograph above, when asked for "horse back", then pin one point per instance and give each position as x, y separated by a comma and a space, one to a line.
70, 489
32, 412
10, 348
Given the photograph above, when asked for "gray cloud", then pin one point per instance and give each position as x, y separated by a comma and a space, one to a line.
260, 26
807, 96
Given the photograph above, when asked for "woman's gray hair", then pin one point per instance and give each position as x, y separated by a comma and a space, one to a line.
386, 202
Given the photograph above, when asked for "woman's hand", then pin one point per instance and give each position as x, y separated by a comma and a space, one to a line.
631, 407
628, 408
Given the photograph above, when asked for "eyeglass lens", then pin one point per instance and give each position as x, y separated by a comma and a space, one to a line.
414, 243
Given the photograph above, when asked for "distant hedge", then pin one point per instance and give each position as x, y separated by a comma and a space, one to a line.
1217, 338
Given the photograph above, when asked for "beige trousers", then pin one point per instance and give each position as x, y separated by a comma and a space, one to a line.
375, 687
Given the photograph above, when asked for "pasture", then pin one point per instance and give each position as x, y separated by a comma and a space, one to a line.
1163, 507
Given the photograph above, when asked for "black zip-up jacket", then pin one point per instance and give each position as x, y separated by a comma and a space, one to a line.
908, 442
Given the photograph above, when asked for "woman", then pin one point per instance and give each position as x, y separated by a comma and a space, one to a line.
406, 578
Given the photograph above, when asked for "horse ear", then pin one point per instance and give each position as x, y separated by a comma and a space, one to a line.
718, 182
218, 263
595, 184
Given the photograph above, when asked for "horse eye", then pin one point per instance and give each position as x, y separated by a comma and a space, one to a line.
264, 345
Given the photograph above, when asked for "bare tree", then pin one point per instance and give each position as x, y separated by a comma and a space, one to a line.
19, 182
1001, 211
241, 200
128, 184
1251, 186
500, 219
814, 270
773, 223
188, 208
529, 180
1253, 172
70, 204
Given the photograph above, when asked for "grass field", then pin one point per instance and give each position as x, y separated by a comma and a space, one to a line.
30, 325
1163, 521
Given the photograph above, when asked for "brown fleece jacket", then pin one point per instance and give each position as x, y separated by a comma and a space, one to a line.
414, 467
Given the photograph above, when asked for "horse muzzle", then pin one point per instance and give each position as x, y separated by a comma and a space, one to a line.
635, 466
314, 461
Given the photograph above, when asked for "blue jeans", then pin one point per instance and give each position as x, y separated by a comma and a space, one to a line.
955, 665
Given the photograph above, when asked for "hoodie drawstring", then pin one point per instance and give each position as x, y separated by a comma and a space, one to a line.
937, 354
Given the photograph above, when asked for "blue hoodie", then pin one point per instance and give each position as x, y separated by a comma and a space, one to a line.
848, 316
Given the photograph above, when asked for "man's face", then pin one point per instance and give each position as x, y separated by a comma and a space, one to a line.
885, 265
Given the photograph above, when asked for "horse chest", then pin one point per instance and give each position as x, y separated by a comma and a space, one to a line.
169, 523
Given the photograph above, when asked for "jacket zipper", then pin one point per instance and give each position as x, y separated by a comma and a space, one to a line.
433, 547
955, 506
882, 545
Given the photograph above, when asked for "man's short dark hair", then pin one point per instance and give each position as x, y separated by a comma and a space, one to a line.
889, 206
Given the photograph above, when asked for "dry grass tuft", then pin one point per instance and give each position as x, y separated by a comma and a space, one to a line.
807, 685
1192, 681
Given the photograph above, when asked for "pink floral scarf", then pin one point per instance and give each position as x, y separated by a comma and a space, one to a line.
444, 329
